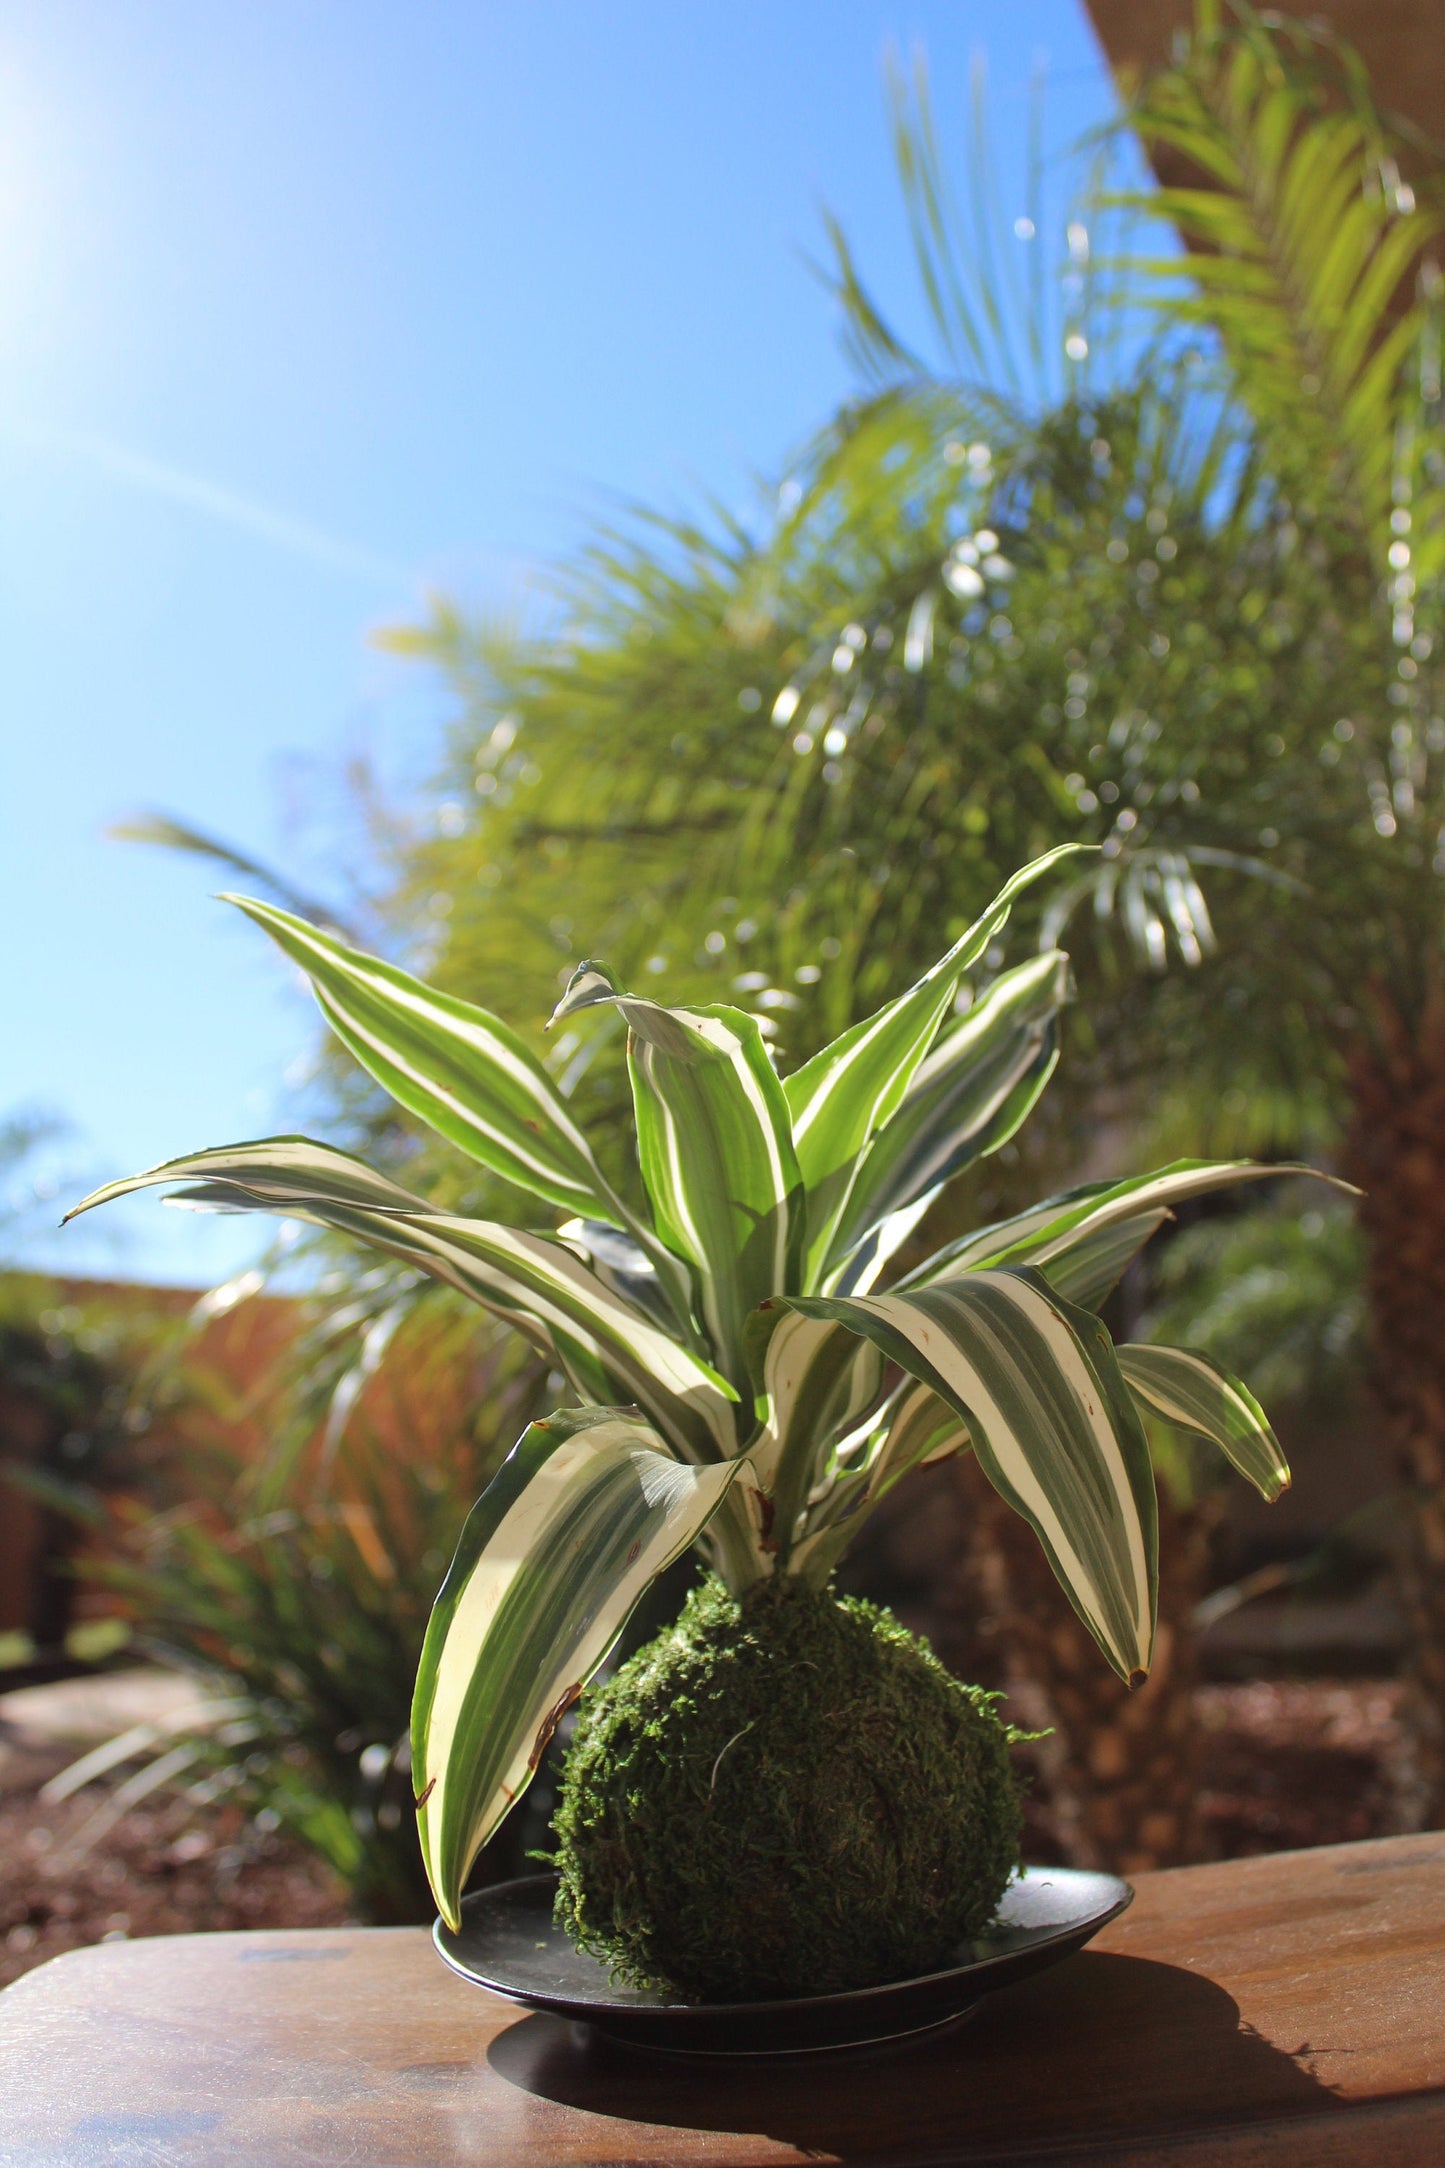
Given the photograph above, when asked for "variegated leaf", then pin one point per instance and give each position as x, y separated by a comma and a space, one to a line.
1191, 1389
451, 1064
917, 1427
716, 1150
1089, 1270
1053, 1424
1049, 1231
860, 1273
844, 1095
607, 1347
278, 1171
924, 1428
968, 1096
620, 1263
818, 1378
581, 1518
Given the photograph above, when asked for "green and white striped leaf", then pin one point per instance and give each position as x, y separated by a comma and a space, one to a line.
452, 1065
608, 1348
621, 1264
818, 1379
1089, 1270
924, 1428
968, 1096
918, 1427
1191, 1389
1053, 1424
581, 1518
860, 1273
597, 1335
716, 1150
1049, 1231
277, 1170
845, 1094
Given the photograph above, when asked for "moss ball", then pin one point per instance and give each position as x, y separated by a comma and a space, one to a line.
783, 1795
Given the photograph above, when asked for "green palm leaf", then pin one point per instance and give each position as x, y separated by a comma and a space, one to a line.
1300, 251
583, 1516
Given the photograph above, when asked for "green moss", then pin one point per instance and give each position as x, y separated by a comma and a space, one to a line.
786, 1795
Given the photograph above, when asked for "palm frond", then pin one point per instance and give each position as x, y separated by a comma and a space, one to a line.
1304, 249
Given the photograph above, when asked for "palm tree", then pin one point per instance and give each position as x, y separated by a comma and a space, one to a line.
1289, 747
1313, 265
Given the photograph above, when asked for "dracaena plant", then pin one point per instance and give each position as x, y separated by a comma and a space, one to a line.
754, 1372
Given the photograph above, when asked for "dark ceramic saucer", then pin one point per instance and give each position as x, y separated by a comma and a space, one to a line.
508, 1942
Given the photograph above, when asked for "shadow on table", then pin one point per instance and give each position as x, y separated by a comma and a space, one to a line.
1102, 2046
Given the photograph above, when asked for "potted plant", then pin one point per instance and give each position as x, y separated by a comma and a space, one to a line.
782, 1793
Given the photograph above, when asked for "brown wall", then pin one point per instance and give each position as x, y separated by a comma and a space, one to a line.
238, 1348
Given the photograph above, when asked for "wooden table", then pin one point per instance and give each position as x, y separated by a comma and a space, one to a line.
1289, 2009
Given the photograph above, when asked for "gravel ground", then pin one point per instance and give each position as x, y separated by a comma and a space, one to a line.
1291, 1763
165, 1868
1298, 1762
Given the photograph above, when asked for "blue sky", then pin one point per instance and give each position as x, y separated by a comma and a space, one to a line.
308, 307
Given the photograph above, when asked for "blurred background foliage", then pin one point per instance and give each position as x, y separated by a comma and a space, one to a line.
1275, 1294
71, 1360
294, 1573
1144, 549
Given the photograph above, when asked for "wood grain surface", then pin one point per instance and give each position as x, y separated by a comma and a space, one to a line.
1284, 2009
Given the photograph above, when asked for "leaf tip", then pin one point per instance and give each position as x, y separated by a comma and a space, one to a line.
1137, 1678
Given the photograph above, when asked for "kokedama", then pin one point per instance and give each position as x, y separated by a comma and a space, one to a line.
783, 1792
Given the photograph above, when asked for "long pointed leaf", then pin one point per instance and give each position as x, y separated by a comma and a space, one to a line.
604, 1343
594, 1330
451, 1064
846, 1093
818, 1378
1089, 1270
1191, 1389
277, 1170
716, 1149
1048, 1231
968, 1096
621, 1264
919, 1427
1054, 1427
582, 1517
860, 1273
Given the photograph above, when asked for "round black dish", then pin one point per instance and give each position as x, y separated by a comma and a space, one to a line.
508, 1942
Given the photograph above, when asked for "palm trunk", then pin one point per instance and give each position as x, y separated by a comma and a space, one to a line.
52, 1600
1118, 1775
1397, 1155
